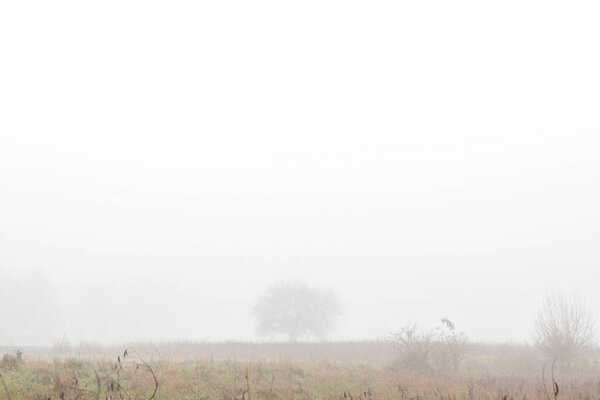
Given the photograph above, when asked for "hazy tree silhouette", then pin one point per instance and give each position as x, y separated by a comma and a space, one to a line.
28, 309
564, 327
296, 310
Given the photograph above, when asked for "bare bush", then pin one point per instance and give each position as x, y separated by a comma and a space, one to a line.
564, 328
414, 346
442, 348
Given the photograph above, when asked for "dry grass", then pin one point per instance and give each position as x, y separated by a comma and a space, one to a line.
487, 373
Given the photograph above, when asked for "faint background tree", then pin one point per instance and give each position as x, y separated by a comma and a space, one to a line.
564, 327
29, 311
296, 310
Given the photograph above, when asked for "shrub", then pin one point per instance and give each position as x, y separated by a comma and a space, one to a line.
414, 347
564, 328
442, 348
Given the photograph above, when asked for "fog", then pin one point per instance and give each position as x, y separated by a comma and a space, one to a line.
162, 163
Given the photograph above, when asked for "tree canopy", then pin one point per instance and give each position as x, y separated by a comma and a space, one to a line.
296, 310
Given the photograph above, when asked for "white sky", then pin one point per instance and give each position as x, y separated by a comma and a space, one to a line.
162, 162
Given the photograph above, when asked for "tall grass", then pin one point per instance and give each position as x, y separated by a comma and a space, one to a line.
237, 371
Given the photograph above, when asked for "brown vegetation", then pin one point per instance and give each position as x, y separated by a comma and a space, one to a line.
176, 371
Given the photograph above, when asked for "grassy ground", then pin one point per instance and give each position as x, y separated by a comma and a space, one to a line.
487, 373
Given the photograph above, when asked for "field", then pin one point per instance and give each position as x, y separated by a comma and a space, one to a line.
231, 371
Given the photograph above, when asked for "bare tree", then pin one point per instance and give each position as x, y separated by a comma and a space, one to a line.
296, 310
564, 327
454, 343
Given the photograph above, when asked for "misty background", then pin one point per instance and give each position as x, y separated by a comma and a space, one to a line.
161, 166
